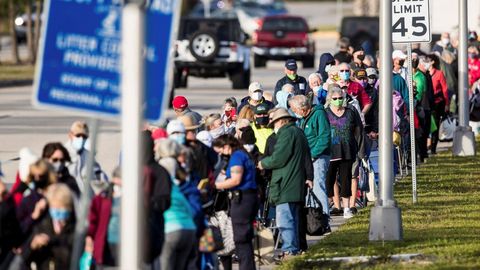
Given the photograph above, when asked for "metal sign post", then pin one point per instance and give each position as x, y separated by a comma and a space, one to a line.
132, 85
385, 218
411, 23
464, 139
412, 122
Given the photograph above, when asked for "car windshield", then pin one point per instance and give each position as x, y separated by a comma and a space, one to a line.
223, 29
285, 24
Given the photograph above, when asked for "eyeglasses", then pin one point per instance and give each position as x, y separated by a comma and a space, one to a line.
344, 70
58, 159
372, 77
337, 98
81, 135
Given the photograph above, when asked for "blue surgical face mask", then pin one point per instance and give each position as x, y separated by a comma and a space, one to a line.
297, 115
59, 214
345, 76
317, 90
78, 143
363, 84
178, 137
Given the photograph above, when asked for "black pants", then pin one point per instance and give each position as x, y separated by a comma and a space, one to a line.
243, 214
438, 112
302, 229
344, 170
425, 125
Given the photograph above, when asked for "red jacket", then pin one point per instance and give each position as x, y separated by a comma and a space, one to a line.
356, 90
473, 70
440, 90
99, 217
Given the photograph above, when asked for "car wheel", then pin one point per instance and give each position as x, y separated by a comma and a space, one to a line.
204, 45
259, 61
240, 78
180, 78
309, 62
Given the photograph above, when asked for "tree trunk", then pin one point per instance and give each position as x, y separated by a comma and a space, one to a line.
38, 23
13, 34
30, 41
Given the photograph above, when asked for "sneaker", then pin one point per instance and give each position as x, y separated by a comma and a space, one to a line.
354, 210
327, 230
335, 211
347, 213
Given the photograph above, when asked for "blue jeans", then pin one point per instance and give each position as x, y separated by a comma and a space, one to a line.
320, 169
288, 215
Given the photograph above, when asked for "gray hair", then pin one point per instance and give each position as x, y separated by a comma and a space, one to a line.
288, 88
335, 89
314, 75
300, 102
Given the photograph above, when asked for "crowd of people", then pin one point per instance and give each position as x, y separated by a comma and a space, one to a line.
253, 161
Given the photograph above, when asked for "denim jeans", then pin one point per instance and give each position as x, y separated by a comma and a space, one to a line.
320, 169
287, 222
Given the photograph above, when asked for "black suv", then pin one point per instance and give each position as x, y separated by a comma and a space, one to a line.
212, 47
361, 30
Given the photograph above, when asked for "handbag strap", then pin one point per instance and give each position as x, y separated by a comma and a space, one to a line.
311, 195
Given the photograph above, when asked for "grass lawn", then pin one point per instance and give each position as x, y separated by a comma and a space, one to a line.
16, 72
444, 225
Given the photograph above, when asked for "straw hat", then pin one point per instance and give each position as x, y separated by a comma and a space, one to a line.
189, 122
277, 114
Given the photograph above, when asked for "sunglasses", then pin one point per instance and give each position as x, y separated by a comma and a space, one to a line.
344, 70
81, 135
58, 159
337, 98
372, 77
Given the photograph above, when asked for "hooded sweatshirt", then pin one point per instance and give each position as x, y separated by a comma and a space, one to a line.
324, 59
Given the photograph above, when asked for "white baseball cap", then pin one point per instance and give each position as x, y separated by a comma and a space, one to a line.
371, 71
175, 126
255, 86
398, 54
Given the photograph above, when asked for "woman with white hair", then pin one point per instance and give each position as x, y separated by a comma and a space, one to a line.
346, 132
315, 84
288, 91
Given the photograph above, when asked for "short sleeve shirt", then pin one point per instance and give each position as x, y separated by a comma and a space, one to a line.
242, 159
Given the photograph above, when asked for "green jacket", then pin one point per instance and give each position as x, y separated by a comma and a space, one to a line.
317, 130
287, 163
421, 83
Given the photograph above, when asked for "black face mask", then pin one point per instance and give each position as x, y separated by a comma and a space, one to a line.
262, 121
361, 57
42, 182
401, 62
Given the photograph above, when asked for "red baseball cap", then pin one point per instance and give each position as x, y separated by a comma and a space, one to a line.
159, 133
180, 102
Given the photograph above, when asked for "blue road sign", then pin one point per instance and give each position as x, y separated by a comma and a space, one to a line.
79, 57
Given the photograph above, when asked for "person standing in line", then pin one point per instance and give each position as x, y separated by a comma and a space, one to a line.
347, 135
242, 186
291, 77
289, 176
314, 122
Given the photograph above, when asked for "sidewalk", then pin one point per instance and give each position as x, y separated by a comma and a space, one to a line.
440, 231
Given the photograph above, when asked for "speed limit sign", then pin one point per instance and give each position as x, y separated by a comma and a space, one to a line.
410, 21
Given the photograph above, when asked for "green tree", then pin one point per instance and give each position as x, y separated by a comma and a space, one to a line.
13, 33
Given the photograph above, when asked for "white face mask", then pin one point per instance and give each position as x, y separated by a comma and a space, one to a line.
257, 96
117, 191
445, 41
249, 147
78, 143
327, 68
427, 66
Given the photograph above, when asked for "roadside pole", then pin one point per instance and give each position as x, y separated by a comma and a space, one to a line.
86, 196
385, 217
464, 139
132, 88
412, 122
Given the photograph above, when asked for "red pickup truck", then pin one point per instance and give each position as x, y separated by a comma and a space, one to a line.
281, 37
